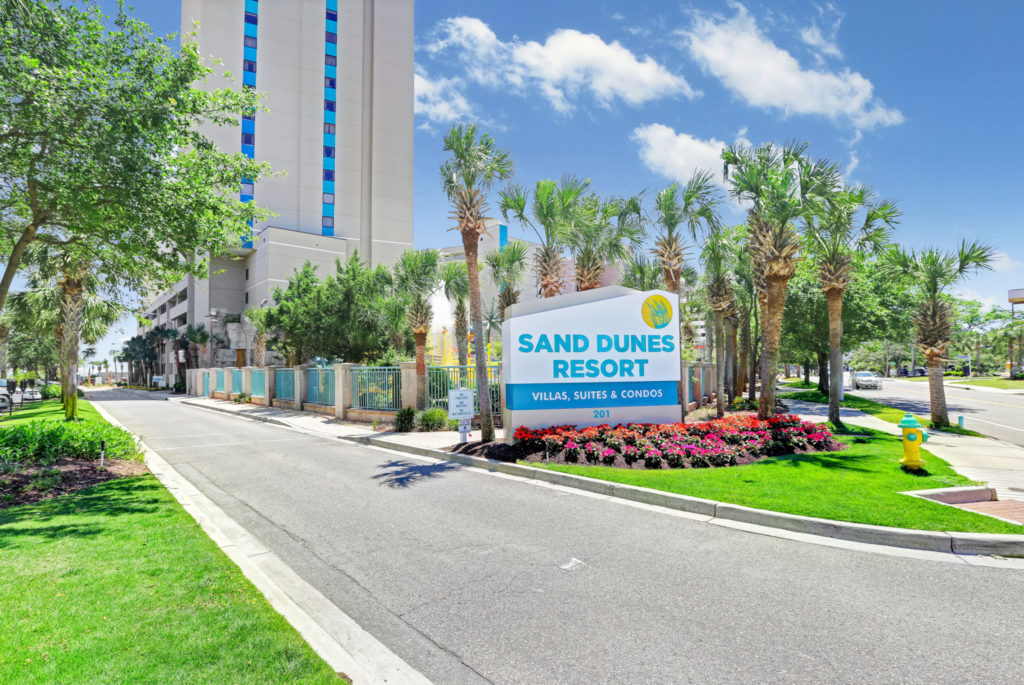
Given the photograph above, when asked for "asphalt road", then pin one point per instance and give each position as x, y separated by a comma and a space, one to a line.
473, 578
999, 415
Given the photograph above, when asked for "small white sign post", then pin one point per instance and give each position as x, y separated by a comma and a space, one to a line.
460, 406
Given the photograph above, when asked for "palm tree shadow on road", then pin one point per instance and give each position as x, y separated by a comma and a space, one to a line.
402, 474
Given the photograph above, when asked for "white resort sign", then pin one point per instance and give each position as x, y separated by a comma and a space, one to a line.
609, 355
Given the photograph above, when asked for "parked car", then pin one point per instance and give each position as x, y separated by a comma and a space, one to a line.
920, 371
865, 380
5, 401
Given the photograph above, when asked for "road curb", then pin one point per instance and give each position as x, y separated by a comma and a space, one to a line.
1004, 545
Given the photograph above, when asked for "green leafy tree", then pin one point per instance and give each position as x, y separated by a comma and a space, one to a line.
475, 165
933, 271
347, 327
101, 145
294, 316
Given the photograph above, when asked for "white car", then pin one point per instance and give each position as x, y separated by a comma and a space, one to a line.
865, 380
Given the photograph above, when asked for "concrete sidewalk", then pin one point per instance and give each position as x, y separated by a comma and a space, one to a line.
960, 383
997, 463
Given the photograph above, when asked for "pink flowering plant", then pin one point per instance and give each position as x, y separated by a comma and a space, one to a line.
723, 442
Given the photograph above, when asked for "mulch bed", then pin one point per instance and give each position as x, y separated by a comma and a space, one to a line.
36, 483
498, 451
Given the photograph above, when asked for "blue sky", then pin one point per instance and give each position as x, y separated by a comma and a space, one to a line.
919, 101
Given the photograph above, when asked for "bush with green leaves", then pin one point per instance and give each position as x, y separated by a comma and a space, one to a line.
435, 419
45, 442
405, 419
48, 392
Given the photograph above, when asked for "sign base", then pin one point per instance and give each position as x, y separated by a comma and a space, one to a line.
665, 413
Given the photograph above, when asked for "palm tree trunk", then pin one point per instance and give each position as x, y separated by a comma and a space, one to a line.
730, 355
834, 297
470, 245
937, 392
462, 332
72, 305
720, 364
742, 371
421, 368
774, 306
823, 383
752, 388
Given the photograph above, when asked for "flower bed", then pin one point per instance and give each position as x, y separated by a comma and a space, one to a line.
722, 442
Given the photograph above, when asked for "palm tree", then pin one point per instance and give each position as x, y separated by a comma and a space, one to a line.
603, 233
475, 165
492, 320
507, 266
391, 309
781, 185
694, 205
456, 289
834, 237
555, 208
641, 273
418, 276
933, 271
195, 336
717, 255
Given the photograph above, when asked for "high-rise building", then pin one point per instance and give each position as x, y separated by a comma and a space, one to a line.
337, 79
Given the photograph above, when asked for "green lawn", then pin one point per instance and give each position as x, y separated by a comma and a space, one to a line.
795, 385
876, 409
861, 484
49, 410
1000, 383
119, 584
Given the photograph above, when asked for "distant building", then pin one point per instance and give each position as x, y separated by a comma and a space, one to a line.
338, 79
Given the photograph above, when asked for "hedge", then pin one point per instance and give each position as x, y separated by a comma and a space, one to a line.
45, 442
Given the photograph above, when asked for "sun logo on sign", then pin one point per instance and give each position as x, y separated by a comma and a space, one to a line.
657, 311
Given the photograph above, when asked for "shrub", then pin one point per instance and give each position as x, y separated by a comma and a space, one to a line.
44, 442
49, 392
405, 419
433, 420
179, 386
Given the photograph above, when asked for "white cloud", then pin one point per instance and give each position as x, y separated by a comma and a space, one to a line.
439, 99
821, 44
824, 46
561, 67
677, 155
618, 17
987, 303
1004, 264
735, 51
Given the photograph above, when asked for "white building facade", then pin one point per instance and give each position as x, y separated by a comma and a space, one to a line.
337, 80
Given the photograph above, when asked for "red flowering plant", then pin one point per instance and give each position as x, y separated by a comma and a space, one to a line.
721, 442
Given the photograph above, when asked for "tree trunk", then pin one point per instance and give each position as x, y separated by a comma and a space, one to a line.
823, 373
471, 245
461, 330
807, 372
15, 257
742, 372
421, 368
72, 305
835, 352
937, 392
885, 362
720, 365
774, 306
752, 388
730, 355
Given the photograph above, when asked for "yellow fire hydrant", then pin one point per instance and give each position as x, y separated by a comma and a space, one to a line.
913, 437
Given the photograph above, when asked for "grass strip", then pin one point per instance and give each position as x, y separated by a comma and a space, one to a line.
999, 383
118, 583
49, 410
861, 484
876, 409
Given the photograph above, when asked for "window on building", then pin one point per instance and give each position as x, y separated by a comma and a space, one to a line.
328, 105
332, 15
247, 298
248, 139
328, 198
328, 174
247, 274
249, 117
250, 41
328, 151
332, 37
328, 222
250, 18
330, 82
247, 189
248, 65
330, 128
331, 60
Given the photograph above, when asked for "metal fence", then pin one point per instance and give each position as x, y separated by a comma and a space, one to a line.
259, 382
441, 379
220, 380
320, 386
377, 387
206, 383
236, 381
284, 382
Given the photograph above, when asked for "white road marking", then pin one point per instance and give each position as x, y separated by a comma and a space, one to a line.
572, 564
975, 418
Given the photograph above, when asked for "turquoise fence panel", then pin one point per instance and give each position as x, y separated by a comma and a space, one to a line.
259, 383
284, 380
206, 383
220, 380
236, 381
320, 386
377, 387
441, 379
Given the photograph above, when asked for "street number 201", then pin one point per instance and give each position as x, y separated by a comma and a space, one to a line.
602, 414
